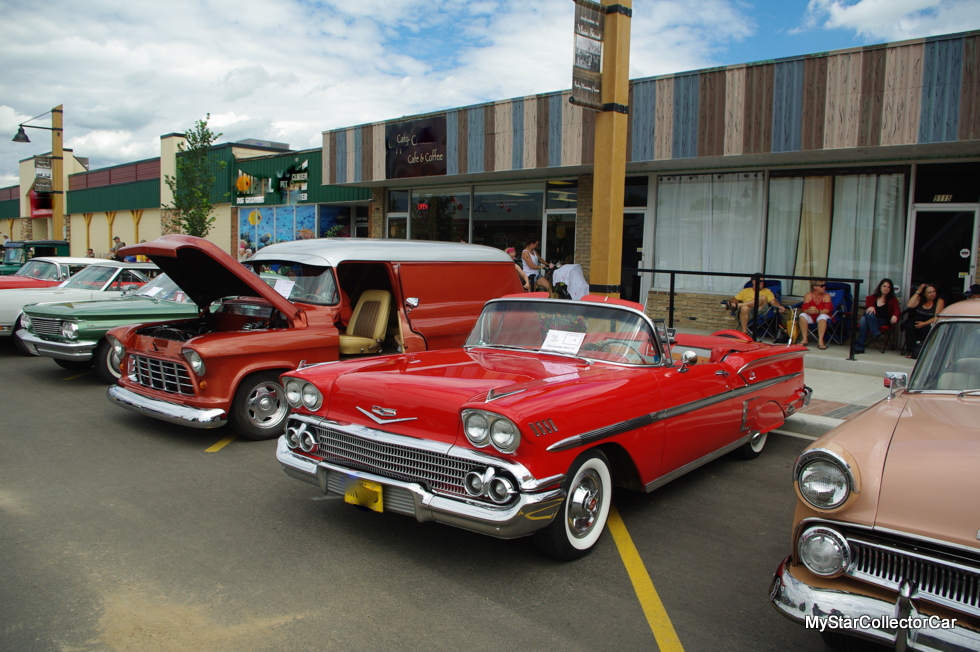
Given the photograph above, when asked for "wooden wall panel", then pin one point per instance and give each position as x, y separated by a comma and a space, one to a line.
734, 111
643, 115
462, 139
555, 112
664, 127
787, 105
380, 152
588, 137
759, 82
489, 138
942, 73
872, 96
530, 133
517, 134
503, 142
970, 95
686, 97
843, 100
452, 143
903, 89
814, 102
474, 139
571, 131
711, 114
544, 131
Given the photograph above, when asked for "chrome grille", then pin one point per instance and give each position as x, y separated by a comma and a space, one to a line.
43, 326
938, 580
437, 472
165, 375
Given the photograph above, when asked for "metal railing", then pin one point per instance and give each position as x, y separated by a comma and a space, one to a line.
854, 282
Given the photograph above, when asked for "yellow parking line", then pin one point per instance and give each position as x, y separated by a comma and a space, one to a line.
87, 373
657, 617
221, 444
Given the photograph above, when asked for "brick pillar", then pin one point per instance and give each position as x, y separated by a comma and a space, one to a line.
376, 214
583, 224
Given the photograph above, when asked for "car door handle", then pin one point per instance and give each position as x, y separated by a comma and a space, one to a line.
722, 373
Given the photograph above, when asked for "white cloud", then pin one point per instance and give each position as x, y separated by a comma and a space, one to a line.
894, 20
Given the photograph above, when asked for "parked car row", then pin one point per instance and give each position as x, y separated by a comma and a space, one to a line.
416, 378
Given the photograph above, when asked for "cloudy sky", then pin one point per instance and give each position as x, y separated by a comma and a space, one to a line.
286, 70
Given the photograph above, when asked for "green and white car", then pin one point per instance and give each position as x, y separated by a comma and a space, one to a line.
73, 333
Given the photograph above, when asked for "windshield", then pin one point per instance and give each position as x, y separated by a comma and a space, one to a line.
298, 282
95, 277
39, 269
163, 289
594, 331
950, 359
13, 255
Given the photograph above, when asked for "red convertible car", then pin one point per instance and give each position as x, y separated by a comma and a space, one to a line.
525, 430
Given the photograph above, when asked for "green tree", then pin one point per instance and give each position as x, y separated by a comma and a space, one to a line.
194, 181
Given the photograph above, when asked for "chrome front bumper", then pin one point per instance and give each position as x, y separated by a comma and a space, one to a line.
897, 624
165, 410
80, 350
529, 513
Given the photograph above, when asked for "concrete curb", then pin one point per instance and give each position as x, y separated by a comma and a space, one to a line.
809, 424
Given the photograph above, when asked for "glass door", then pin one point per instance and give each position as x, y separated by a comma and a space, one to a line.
944, 248
632, 256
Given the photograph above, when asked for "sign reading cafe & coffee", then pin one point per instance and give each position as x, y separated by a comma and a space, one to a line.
416, 148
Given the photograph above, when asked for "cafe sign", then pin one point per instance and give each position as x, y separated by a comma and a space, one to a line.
415, 148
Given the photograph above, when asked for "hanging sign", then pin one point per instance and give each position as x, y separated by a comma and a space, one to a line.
587, 69
42, 174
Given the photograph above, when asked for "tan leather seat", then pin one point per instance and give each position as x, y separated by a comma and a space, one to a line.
366, 329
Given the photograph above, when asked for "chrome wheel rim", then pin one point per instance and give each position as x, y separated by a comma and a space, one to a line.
758, 441
113, 363
265, 406
584, 503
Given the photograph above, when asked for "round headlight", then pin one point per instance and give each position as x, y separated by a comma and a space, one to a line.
500, 490
294, 433
504, 435
25, 322
312, 398
824, 483
824, 551
477, 428
194, 360
294, 391
69, 330
118, 349
307, 441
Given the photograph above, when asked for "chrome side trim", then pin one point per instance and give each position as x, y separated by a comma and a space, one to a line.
690, 466
165, 411
612, 430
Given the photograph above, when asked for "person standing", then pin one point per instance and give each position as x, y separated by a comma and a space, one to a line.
880, 309
117, 244
90, 253
923, 306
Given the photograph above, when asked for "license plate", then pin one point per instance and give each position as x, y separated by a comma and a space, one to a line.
364, 493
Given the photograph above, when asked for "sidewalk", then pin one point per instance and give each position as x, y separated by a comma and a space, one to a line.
841, 387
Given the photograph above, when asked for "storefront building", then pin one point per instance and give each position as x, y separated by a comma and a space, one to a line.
860, 163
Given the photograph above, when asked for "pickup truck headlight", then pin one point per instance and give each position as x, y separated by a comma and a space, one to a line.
194, 360
69, 330
824, 479
118, 350
482, 428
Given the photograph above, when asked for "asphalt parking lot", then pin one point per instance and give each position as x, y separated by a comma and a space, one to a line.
118, 532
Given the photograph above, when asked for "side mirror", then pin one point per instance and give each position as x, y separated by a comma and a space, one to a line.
127, 289
410, 304
688, 359
895, 380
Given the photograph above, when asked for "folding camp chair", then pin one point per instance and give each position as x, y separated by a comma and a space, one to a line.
839, 326
766, 324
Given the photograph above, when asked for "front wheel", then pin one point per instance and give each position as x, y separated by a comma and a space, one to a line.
73, 365
580, 522
259, 409
752, 448
107, 364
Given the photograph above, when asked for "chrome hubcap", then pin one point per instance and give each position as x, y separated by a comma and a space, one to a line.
583, 504
265, 406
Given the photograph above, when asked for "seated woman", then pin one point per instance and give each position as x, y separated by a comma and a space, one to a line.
816, 309
880, 308
923, 306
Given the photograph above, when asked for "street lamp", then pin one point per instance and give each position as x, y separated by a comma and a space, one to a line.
57, 164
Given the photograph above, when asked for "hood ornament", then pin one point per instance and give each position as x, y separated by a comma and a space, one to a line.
383, 415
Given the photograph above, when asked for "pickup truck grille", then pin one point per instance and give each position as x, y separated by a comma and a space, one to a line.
947, 582
164, 375
44, 326
439, 472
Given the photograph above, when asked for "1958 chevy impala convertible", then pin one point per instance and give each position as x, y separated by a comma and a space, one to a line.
886, 537
525, 430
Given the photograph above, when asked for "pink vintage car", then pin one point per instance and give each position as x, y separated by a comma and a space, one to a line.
886, 538
525, 430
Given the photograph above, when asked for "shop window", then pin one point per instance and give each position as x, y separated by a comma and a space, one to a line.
637, 189
397, 201
562, 195
947, 183
560, 238
509, 217
443, 216
397, 227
